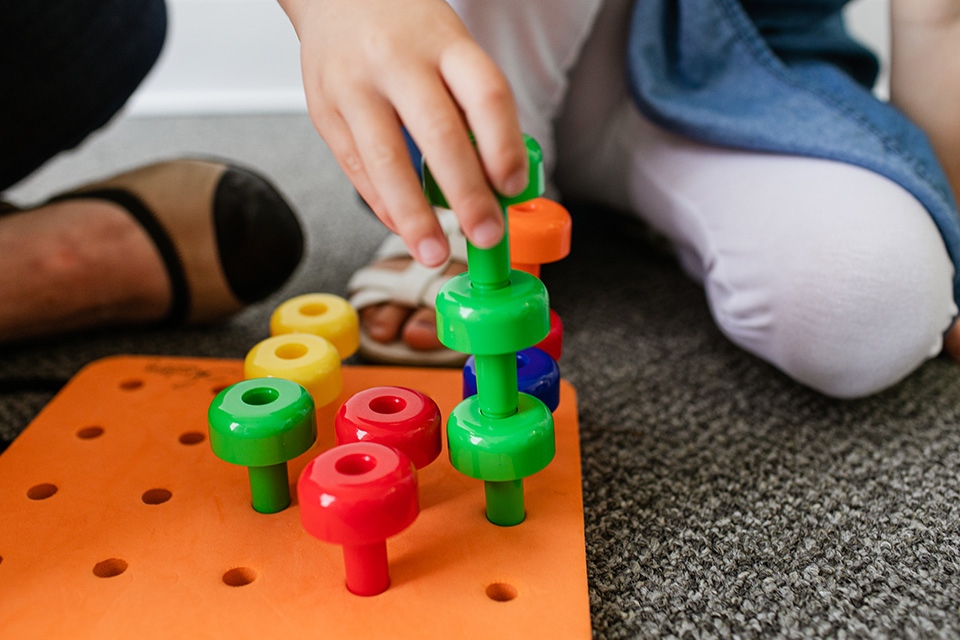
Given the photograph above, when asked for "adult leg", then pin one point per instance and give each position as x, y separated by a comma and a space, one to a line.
178, 241
69, 66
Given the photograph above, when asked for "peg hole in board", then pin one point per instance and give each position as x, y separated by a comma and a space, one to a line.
192, 437
501, 592
90, 432
156, 496
42, 491
239, 577
110, 568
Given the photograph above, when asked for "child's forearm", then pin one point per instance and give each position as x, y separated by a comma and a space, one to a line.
925, 73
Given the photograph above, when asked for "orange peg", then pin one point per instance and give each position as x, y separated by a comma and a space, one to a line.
540, 232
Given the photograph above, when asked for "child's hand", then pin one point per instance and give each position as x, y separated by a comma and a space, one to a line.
372, 66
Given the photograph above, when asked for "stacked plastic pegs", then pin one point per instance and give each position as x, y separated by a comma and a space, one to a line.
364, 490
540, 233
499, 435
537, 374
405, 419
357, 495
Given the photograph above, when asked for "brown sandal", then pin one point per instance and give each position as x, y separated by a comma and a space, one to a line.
226, 235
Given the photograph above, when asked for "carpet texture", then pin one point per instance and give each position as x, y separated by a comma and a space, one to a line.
722, 499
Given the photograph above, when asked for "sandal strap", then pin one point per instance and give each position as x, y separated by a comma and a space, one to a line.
413, 286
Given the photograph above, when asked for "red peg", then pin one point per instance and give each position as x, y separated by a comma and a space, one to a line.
357, 495
398, 417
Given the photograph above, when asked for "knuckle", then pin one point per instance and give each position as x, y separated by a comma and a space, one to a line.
495, 95
351, 162
440, 128
472, 202
381, 155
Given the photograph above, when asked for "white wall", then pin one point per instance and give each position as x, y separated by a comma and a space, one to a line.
224, 56
242, 56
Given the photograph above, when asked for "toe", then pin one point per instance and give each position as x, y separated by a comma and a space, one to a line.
420, 331
383, 322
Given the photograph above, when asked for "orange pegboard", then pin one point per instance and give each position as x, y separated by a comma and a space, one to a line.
117, 521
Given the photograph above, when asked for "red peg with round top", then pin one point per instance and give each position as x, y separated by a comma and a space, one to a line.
398, 417
357, 495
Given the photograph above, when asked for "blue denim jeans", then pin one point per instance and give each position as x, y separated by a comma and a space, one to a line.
66, 68
780, 76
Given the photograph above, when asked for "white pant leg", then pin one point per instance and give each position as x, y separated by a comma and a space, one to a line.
535, 43
834, 274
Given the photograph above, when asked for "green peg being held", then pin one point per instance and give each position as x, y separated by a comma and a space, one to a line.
263, 423
499, 435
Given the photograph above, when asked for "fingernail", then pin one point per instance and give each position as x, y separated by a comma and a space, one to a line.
515, 183
486, 234
430, 252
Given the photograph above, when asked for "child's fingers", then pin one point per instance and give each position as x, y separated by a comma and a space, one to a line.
488, 106
375, 129
334, 131
436, 124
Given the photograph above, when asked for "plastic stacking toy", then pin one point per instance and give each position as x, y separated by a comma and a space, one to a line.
321, 314
262, 424
402, 418
537, 375
499, 436
540, 233
309, 360
553, 343
357, 495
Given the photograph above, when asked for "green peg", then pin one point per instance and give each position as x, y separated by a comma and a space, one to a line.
262, 423
501, 451
499, 435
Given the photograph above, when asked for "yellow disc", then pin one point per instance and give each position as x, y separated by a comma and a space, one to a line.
321, 314
307, 359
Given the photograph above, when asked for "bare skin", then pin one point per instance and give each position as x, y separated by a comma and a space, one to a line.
925, 85
363, 75
417, 327
440, 84
370, 65
75, 265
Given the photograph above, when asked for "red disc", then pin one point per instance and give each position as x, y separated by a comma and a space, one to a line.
398, 417
553, 343
358, 493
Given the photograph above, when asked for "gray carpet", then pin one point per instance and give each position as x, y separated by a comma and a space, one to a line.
722, 499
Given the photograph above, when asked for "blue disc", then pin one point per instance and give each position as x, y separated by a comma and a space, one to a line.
537, 374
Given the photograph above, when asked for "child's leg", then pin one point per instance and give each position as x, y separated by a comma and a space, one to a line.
832, 273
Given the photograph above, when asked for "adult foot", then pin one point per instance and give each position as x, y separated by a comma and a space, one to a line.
74, 265
179, 241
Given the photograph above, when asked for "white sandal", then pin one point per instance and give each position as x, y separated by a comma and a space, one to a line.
415, 286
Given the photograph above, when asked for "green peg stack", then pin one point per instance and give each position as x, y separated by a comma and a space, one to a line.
499, 436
